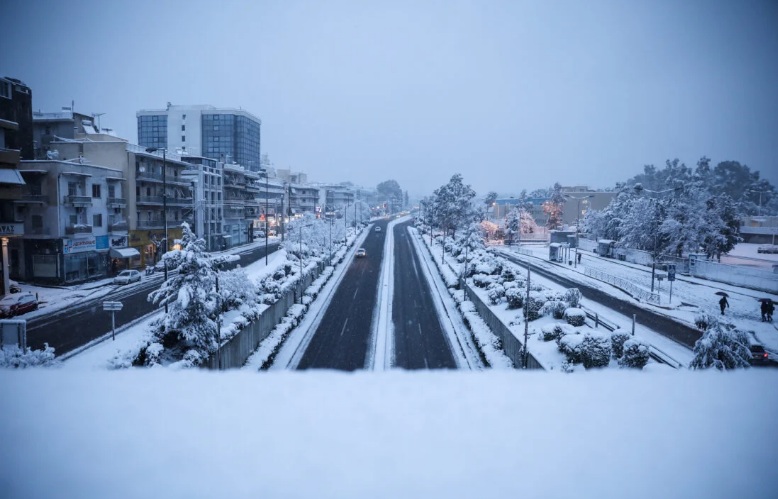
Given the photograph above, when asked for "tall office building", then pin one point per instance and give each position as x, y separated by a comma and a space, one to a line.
228, 135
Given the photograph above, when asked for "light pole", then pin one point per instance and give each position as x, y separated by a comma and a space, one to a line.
164, 202
578, 221
267, 215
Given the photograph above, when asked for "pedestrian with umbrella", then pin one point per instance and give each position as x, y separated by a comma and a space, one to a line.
766, 308
723, 303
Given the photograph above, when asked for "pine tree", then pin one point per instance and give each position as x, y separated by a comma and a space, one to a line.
722, 346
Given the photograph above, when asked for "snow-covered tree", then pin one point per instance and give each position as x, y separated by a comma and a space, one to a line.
193, 304
452, 206
722, 346
554, 207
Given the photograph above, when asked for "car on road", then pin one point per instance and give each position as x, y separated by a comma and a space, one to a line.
17, 304
759, 355
14, 286
127, 276
361, 252
377, 228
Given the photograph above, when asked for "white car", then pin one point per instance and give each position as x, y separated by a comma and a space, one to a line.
127, 276
361, 252
377, 228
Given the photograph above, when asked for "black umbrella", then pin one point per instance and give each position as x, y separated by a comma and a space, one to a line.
768, 300
721, 293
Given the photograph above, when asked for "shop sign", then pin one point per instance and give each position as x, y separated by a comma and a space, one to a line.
70, 246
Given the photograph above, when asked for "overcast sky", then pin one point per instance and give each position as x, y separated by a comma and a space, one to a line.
511, 94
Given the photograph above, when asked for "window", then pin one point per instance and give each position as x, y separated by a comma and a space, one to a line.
183, 128
5, 89
97, 220
183, 116
183, 138
72, 189
73, 220
37, 221
95, 190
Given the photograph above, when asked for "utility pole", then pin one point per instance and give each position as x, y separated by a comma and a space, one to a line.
526, 313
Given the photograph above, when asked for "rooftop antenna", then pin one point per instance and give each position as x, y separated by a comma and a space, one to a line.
97, 115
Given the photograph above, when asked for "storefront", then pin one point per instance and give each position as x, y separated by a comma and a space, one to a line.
82, 261
150, 244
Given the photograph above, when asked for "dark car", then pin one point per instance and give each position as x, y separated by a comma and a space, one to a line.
17, 304
759, 355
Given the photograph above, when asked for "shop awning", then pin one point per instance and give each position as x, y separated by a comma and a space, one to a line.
11, 176
123, 253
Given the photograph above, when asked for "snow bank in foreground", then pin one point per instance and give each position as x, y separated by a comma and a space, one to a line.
157, 433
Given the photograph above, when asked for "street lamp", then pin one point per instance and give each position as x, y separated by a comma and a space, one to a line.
267, 215
578, 221
164, 201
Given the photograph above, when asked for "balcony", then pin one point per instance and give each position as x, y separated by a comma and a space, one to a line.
180, 201
116, 202
33, 199
118, 226
153, 223
10, 156
155, 200
78, 200
78, 229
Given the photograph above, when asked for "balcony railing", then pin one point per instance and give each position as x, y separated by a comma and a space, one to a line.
118, 226
34, 198
78, 200
116, 202
78, 229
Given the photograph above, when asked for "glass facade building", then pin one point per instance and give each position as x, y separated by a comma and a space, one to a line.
228, 135
152, 130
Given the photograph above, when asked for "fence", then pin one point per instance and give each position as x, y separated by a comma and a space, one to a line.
235, 351
624, 284
511, 345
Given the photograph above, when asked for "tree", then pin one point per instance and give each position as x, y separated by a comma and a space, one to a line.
390, 191
452, 205
554, 207
722, 346
489, 200
193, 304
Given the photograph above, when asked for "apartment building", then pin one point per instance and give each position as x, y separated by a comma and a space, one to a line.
224, 134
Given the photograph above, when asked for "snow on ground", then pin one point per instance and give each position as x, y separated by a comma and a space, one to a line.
690, 294
161, 433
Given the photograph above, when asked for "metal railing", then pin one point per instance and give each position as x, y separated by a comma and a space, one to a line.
78, 229
624, 284
78, 200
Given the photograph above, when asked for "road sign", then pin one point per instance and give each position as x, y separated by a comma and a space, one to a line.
112, 305
671, 272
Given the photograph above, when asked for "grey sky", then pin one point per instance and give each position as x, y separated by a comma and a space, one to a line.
510, 94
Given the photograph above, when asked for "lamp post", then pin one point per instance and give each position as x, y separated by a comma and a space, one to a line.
164, 202
267, 215
578, 221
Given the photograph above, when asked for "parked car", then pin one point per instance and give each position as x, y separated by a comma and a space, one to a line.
759, 355
377, 228
17, 304
14, 286
361, 252
127, 276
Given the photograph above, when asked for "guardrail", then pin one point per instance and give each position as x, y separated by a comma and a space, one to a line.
623, 284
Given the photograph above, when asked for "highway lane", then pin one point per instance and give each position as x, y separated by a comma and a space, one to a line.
419, 340
70, 328
342, 338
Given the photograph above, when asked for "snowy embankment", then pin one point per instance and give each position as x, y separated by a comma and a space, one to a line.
387, 434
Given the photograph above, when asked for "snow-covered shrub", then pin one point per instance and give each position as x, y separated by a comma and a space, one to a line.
704, 320
533, 307
488, 264
570, 345
11, 356
508, 274
515, 297
595, 350
723, 347
482, 280
618, 337
554, 332
555, 308
495, 292
573, 297
635, 354
537, 288
575, 316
